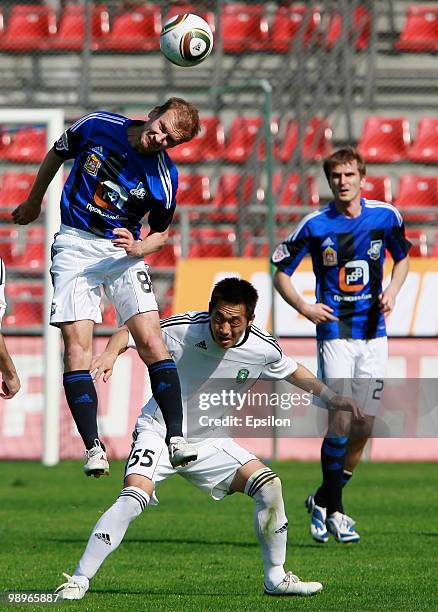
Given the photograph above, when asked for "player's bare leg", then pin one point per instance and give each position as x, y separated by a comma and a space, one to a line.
270, 523
146, 331
81, 393
108, 533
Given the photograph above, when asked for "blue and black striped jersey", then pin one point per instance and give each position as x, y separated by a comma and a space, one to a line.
112, 185
347, 256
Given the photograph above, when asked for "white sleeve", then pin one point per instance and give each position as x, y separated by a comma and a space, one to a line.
2, 290
279, 369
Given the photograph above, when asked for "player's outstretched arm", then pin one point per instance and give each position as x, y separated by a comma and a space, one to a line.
317, 313
30, 209
11, 383
306, 380
103, 364
153, 242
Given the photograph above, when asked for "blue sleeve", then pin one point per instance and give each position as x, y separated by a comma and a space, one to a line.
395, 239
69, 144
288, 255
163, 187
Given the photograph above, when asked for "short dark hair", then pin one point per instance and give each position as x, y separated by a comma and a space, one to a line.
344, 156
234, 291
188, 121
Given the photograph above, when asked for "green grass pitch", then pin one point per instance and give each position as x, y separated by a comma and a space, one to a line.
191, 553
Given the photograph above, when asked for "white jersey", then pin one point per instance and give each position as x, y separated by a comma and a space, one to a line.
200, 360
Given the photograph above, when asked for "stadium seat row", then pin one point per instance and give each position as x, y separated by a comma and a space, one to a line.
244, 27
233, 189
383, 140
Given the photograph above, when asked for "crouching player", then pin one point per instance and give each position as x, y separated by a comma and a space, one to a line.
205, 345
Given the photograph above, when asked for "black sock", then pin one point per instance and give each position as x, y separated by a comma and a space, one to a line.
166, 390
82, 400
346, 477
329, 495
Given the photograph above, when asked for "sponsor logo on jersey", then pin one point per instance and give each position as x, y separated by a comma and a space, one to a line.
92, 164
354, 275
62, 143
375, 248
242, 375
98, 150
202, 345
281, 252
329, 256
111, 196
139, 191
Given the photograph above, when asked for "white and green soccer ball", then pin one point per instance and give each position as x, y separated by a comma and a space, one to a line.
186, 40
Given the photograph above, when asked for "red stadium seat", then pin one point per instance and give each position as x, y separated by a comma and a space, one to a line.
377, 188
425, 146
71, 31
14, 189
5, 141
241, 138
193, 189
182, 9
31, 259
359, 34
420, 31
289, 192
232, 190
418, 239
316, 140
433, 248
244, 27
28, 28
206, 242
164, 258
134, 30
207, 146
24, 314
8, 245
385, 139
27, 145
417, 191
292, 25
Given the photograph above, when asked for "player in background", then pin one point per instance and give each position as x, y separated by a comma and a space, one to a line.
347, 240
121, 172
10, 382
218, 344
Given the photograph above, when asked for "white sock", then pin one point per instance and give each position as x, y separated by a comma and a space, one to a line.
110, 530
270, 523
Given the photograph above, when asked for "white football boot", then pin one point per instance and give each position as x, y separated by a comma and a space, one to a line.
318, 529
292, 585
342, 527
181, 452
74, 588
97, 462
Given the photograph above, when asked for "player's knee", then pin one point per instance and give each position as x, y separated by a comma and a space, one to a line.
131, 503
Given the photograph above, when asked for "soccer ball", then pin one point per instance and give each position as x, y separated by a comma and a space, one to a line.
186, 40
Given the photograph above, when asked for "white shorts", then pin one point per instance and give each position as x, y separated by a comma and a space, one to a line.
356, 368
213, 471
82, 264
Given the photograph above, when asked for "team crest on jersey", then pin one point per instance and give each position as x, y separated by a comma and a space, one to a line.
329, 256
242, 375
281, 252
92, 164
375, 249
139, 191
